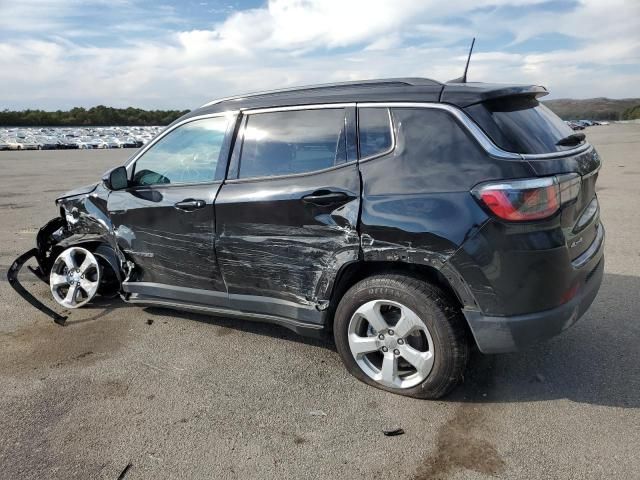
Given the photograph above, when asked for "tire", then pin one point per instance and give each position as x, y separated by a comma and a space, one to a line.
437, 321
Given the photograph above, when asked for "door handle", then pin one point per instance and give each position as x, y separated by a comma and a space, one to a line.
325, 197
190, 204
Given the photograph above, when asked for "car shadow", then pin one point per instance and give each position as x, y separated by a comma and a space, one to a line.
103, 305
597, 361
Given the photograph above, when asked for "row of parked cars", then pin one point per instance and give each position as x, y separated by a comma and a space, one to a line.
49, 138
582, 124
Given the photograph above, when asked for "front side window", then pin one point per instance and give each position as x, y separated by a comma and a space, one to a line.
299, 141
188, 154
374, 131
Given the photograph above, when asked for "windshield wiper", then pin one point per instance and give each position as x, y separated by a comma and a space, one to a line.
570, 140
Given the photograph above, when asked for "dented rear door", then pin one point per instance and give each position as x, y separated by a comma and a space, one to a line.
286, 218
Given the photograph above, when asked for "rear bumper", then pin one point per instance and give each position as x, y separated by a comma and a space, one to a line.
495, 334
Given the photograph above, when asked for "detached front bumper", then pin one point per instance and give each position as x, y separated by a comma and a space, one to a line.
513, 333
12, 277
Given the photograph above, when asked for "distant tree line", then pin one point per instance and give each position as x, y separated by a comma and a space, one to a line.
595, 108
632, 113
95, 116
108, 116
608, 115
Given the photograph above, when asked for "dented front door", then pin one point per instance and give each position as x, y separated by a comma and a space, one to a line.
164, 221
169, 244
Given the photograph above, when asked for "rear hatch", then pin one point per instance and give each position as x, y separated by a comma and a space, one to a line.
521, 124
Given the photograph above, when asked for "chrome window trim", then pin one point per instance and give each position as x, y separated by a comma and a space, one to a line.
393, 136
567, 153
482, 138
473, 128
289, 108
170, 129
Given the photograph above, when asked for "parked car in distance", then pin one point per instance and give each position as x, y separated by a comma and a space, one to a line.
574, 125
48, 138
410, 219
18, 143
47, 143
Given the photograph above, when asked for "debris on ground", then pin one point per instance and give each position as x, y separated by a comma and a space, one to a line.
149, 321
393, 432
124, 471
317, 413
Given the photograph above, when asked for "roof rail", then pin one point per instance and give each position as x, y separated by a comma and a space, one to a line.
415, 81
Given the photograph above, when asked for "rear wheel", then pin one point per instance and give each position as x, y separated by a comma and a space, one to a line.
403, 335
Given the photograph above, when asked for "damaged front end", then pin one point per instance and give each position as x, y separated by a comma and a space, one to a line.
83, 222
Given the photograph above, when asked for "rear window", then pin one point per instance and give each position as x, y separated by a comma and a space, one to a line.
285, 143
521, 125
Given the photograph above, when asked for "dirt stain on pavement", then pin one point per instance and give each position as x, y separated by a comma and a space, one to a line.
462, 443
459, 446
45, 345
14, 206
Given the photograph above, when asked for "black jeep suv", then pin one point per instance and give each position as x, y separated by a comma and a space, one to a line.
411, 218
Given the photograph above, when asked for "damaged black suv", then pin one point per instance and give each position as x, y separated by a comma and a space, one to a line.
413, 219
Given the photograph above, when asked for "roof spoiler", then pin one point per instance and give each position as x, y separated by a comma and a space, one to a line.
467, 94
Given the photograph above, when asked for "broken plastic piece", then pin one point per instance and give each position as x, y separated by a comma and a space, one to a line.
12, 276
124, 471
393, 432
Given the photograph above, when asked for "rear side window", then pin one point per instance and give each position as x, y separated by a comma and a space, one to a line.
521, 125
374, 131
299, 141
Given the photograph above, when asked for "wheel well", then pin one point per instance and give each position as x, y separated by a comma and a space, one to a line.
352, 273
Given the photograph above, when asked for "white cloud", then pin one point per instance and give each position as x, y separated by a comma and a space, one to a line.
291, 42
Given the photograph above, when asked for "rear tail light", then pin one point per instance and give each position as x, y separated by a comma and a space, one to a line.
521, 200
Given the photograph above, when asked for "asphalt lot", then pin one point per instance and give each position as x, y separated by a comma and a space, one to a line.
191, 396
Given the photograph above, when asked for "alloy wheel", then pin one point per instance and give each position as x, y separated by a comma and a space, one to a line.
391, 344
75, 277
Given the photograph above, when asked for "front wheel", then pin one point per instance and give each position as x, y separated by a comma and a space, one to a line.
75, 277
403, 335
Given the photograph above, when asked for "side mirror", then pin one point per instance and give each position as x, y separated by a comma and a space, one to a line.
116, 179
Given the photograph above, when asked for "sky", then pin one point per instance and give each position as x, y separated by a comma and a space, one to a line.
58, 54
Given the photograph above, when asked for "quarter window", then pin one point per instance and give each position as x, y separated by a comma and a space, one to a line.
188, 154
375, 135
521, 125
299, 141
